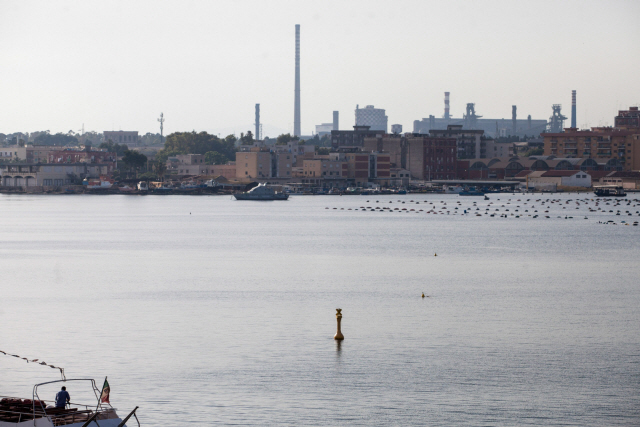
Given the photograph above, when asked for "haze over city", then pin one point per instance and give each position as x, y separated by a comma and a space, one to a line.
117, 65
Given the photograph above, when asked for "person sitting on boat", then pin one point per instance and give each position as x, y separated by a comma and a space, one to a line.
62, 398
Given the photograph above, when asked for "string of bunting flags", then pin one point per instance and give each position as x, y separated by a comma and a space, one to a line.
36, 361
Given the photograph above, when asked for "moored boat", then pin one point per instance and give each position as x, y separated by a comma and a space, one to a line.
609, 191
261, 192
97, 184
18, 412
471, 192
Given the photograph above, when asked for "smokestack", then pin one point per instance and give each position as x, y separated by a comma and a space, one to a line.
257, 134
296, 104
573, 109
336, 123
446, 105
513, 119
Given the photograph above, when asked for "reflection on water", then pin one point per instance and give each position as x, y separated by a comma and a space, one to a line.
205, 310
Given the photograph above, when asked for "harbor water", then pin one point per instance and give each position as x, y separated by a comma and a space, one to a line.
205, 310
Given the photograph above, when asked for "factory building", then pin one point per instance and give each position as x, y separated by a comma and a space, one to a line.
493, 128
373, 117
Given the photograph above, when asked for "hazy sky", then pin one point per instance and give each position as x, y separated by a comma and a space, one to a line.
115, 65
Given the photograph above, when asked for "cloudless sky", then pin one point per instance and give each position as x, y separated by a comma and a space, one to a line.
115, 65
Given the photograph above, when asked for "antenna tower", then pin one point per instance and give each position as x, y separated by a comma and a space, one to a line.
161, 120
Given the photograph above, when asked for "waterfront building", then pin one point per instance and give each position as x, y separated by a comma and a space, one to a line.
315, 171
399, 177
194, 164
366, 167
599, 143
629, 180
426, 157
564, 178
50, 175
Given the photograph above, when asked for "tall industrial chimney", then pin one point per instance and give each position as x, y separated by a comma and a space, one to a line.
257, 134
336, 122
573, 109
513, 119
296, 104
446, 105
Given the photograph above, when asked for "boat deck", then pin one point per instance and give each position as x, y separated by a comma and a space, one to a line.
16, 410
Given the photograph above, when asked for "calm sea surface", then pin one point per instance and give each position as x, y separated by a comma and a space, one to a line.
209, 311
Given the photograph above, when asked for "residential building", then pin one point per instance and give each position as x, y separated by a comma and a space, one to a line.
431, 157
121, 137
40, 153
599, 143
373, 117
471, 143
72, 155
13, 153
394, 145
353, 138
358, 167
628, 118
282, 164
254, 164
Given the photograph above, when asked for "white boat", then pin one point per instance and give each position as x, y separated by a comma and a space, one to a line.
97, 184
261, 192
453, 189
35, 412
143, 186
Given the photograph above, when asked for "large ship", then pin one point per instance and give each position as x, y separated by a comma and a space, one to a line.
17, 412
261, 192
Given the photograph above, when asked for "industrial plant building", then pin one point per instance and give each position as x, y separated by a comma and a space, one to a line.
373, 117
494, 128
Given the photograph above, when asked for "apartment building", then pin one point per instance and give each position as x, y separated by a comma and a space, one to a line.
431, 158
599, 143
254, 164
121, 137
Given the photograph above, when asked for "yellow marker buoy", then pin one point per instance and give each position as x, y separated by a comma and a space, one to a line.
435, 254
338, 336
423, 295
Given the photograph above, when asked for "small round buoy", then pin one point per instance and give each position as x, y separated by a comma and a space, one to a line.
423, 295
435, 254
